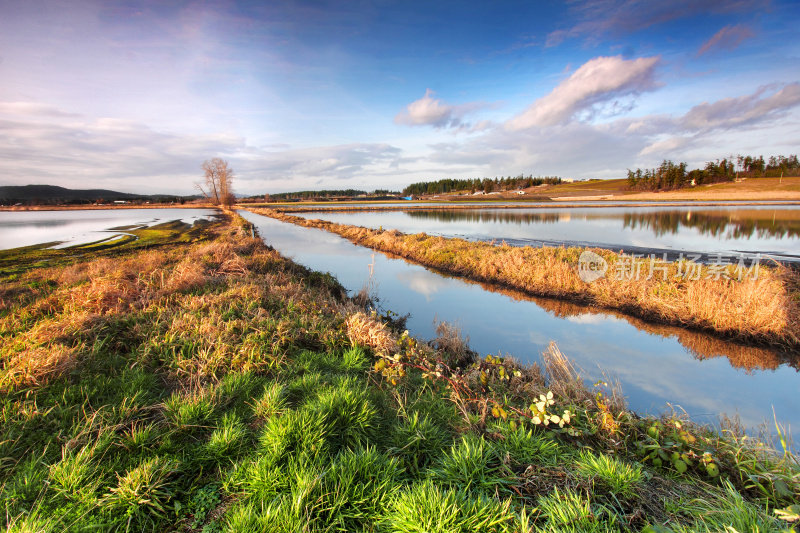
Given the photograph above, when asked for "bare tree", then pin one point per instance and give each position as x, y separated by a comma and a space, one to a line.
218, 180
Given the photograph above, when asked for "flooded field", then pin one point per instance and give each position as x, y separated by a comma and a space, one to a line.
772, 230
69, 227
658, 366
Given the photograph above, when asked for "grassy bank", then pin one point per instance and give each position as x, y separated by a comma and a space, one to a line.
216, 386
765, 310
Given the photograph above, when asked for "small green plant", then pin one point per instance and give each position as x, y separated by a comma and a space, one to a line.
428, 508
271, 403
77, 475
203, 502
670, 446
188, 411
418, 441
574, 512
611, 474
347, 412
143, 490
472, 464
226, 441
525, 447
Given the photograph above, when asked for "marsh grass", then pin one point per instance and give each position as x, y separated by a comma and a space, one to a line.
214, 384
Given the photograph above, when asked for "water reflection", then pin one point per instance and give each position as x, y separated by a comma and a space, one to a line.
78, 226
480, 215
728, 224
738, 224
689, 230
656, 365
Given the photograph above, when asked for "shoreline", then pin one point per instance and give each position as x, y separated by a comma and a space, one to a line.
717, 306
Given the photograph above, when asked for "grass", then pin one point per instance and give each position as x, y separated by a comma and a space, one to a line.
216, 386
764, 310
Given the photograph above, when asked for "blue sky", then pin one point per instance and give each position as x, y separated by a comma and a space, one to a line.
305, 95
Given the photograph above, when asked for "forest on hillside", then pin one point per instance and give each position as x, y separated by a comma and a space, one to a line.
669, 175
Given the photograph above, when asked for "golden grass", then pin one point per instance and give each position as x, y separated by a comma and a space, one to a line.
763, 310
365, 330
89, 305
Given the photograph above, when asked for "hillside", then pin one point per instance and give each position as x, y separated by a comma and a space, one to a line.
52, 194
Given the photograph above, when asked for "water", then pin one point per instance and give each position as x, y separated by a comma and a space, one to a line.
656, 365
729, 230
69, 227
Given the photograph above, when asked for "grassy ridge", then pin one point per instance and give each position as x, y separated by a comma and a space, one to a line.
764, 310
216, 386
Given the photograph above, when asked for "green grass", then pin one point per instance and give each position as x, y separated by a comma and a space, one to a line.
209, 385
610, 474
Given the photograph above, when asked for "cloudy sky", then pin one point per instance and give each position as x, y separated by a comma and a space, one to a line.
133, 96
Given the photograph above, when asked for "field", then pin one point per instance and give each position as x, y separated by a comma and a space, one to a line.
202, 382
753, 189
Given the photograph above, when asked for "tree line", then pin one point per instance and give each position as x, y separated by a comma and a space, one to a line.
669, 175
486, 185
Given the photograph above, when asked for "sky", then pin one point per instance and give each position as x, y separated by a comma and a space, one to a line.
300, 95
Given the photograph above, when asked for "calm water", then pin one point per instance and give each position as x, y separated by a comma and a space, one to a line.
26, 228
656, 365
772, 230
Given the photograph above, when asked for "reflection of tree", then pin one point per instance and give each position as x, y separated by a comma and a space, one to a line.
730, 224
472, 215
780, 223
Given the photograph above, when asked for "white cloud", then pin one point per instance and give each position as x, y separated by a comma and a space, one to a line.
582, 149
743, 110
429, 111
727, 38
598, 80
79, 152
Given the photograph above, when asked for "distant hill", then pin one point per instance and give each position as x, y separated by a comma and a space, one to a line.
52, 194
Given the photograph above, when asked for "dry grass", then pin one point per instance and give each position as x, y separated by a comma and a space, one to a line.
365, 330
87, 306
765, 310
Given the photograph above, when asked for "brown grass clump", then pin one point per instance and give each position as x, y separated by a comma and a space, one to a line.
764, 310
365, 330
36, 365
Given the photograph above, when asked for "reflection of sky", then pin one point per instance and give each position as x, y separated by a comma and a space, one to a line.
25, 228
653, 370
601, 226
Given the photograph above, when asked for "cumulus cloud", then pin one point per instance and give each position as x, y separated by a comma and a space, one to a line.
429, 111
598, 80
727, 38
600, 18
583, 149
